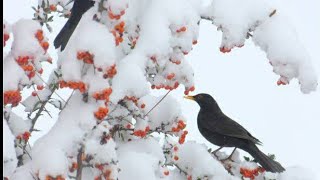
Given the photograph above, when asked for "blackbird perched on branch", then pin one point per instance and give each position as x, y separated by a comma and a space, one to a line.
222, 131
78, 9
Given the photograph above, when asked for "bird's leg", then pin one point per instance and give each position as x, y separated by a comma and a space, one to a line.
215, 151
230, 156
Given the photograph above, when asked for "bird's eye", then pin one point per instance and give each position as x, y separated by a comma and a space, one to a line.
199, 97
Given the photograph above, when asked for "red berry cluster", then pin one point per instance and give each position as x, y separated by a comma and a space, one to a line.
111, 71
183, 137
177, 62
105, 174
166, 87
227, 50
101, 113
182, 29
25, 136
59, 177
12, 97
27, 64
85, 56
133, 99
40, 37
53, 7
103, 95
170, 76
282, 81
118, 32
248, 173
115, 16
186, 92
141, 133
180, 126
81, 86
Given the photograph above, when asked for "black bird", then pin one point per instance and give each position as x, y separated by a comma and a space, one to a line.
222, 131
78, 9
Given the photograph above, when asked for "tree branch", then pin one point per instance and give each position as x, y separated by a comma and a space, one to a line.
79, 162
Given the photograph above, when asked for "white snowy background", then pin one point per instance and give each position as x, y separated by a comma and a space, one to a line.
242, 82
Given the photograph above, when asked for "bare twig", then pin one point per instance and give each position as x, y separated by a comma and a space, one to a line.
49, 87
158, 103
272, 13
79, 162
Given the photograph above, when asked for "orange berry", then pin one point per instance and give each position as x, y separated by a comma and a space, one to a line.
26, 135
279, 82
39, 35
53, 7
128, 126
6, 36
170, 76
12, 97
34, 93
194, 42
175, 148
122, 24
45, 45
176, 158
166, 173
182, 29
143, 106
40, 71
40, 87
31, 74
225, 50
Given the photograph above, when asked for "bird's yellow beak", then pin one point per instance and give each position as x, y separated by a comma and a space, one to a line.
190, 97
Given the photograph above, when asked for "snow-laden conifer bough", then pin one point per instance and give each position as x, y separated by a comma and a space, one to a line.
106, 129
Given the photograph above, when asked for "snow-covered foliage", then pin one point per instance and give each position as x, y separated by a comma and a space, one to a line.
112, 127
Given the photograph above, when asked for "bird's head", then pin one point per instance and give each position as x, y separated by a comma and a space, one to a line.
205, 101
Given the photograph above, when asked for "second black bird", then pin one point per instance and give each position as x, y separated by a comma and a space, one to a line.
222, 131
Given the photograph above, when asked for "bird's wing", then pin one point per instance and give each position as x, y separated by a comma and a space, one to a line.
228, 127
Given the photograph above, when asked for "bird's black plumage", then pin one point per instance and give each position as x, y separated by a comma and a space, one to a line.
222, 131
78, 9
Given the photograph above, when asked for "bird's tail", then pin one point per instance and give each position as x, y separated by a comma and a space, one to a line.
78, 9
265, 161
64, 35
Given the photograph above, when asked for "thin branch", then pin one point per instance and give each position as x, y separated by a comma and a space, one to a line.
79, 162
158, 103
273, 13
49, 87
67, 100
